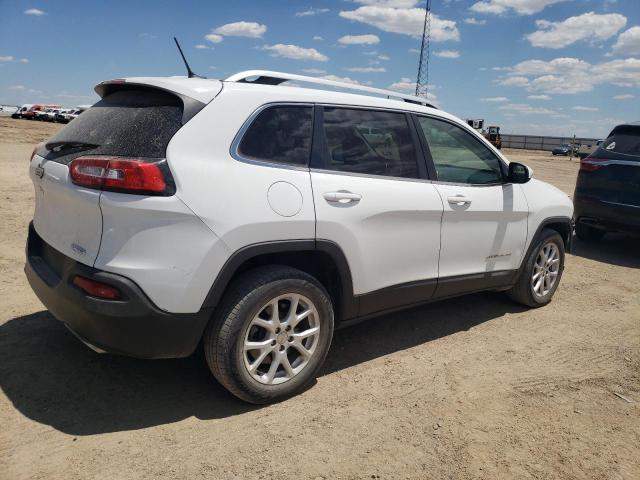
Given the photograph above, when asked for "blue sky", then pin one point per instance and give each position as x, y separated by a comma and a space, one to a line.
531, 66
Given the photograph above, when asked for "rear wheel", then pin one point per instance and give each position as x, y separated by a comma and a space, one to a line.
540, 275
270, 335
587, 233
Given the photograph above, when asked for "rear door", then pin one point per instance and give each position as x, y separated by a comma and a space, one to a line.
484, 225
372, 198
133, 123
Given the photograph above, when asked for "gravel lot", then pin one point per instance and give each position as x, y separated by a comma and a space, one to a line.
474, 387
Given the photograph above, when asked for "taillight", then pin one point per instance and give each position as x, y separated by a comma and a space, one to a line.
96, 289
591, 164
35, 149
121, 175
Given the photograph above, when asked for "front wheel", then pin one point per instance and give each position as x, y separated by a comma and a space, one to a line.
270, 334
540, 274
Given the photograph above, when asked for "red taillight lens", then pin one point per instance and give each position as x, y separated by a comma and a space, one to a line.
591, 164
96, 289
118, 174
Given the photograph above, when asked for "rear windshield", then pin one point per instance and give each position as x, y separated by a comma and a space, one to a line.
623, 144
137, 123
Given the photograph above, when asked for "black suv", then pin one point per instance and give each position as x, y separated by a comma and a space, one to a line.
607, 196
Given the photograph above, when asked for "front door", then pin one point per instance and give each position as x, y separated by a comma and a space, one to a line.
484, 225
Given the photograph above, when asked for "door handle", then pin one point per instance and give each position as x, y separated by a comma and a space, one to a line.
342, 196
459, 200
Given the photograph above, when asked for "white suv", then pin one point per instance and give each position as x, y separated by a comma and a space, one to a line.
256, 217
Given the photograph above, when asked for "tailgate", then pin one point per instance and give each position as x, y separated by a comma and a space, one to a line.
66, 216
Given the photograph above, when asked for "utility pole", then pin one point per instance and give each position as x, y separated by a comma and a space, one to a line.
422, 83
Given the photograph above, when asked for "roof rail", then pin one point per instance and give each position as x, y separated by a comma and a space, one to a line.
266, 77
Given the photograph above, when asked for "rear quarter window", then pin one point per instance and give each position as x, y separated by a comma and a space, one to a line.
624, 143
135, 123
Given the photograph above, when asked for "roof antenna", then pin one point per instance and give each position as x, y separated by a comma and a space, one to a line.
190, 73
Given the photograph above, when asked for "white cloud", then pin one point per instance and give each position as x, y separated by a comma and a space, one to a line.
389, 3
214, 37
539, 97
311, 11
24, 60
314, 71
626, 96
580, 108
494, 99
474, 21
571, 75
628, 42
521, 7
447, 54
359, 40
335, 78
34, 11
242, 29
414, 50
202, 47
366, 69
384, 57
147, 35
8, 58
588, 26
514, 82
17, 87
295, 52
406, 21
318, 38
526, 109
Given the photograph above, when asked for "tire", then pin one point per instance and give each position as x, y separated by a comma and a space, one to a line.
246, 314
527, 290
589, 234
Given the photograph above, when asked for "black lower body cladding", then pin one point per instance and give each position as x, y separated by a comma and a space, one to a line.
131, 326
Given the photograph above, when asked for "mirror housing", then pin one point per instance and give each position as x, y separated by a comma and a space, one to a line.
519, 173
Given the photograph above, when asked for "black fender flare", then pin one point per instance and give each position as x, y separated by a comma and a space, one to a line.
568, 241
348, 307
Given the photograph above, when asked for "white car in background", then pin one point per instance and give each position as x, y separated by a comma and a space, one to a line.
257, 218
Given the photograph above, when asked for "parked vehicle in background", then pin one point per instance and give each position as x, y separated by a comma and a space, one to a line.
587, 149
50, 114
607, 195
7, 110
22, 110
565, 149
74, 114
303, 209
61, 115
37, 110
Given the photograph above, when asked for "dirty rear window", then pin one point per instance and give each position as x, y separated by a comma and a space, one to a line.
137, 123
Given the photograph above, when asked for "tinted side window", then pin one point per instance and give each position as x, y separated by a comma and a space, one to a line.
279, 134
371, 142
458, 156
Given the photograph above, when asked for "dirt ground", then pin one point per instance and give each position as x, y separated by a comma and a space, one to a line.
474, 387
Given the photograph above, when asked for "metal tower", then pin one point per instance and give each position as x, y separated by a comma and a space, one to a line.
422, 83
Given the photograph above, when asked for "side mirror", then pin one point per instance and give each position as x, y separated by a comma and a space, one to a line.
519, 173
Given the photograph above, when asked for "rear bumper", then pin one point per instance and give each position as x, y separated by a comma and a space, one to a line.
131, 326
607, 215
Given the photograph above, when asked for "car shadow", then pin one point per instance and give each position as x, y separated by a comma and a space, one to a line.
615, 248
52, 378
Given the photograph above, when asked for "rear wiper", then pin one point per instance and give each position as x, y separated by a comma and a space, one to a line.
64, 145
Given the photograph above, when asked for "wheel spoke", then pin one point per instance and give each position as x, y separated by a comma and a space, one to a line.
261, 345
258, 361
284, 360
302, 349
275, 363
306, 334
536, 275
